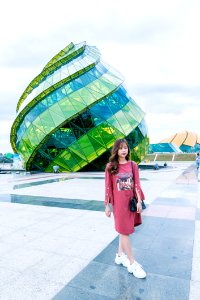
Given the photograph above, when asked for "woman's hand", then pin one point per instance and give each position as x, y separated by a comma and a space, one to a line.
108, 211
139, 207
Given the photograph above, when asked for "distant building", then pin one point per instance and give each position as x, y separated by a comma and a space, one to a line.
186, 141
164, 148
6, 158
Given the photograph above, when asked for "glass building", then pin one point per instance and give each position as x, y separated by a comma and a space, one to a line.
164, 148
73, 111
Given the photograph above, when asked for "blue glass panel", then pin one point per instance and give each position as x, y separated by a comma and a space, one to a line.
75, 85
116, 102
40, 108
59, 94
53, 97
21, 131
143, 128
101, 68
101, 109
96, 119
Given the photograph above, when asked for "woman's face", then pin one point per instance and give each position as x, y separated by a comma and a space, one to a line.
123, 151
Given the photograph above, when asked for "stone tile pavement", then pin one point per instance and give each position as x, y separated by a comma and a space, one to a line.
56, 243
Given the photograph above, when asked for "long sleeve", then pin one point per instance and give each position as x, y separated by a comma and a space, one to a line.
137, 185
108, 187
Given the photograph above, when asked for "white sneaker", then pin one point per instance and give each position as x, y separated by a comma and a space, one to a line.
137, 270
122, 259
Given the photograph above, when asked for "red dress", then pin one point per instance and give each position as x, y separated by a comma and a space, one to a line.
118, 189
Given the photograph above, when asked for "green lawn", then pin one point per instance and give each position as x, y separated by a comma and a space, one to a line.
169, 157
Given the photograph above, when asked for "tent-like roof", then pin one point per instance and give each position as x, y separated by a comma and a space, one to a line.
187, 138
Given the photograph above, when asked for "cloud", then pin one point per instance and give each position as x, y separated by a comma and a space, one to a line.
167, 99
34, 51
164, 124
154, 44
5, 127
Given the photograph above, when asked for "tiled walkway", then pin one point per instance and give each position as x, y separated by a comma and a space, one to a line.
56, 243
164, 246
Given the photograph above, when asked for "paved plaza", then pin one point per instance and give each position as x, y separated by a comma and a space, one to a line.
56, 243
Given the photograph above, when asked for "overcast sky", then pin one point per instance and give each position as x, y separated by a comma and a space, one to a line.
154, 44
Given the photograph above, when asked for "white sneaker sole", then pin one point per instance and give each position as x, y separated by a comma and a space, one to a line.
119, 263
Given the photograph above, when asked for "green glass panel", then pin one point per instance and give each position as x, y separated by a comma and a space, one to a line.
94, 133
133, 123
23, 150
80, 161
67, 108
57, 110
106, 85
66, 155
87, 96
97, 146
62, 162
87, 148
76, 149
56, 118
26, 143
70, 160
135, 112
26, 139
47, 124
114, 122
63, 166
97, 94
115, 134
106, 133
38, 124
32, 136
77, 105
46, 118
123, 122
77, 98
95, 86
40, 134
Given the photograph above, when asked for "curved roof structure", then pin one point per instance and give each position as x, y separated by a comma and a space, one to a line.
186, 138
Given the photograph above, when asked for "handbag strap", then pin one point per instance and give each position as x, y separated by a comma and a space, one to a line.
133, 176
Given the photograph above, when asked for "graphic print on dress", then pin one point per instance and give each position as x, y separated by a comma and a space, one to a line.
124, 181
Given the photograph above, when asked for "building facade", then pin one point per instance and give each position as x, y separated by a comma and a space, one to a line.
73, 111
186, 141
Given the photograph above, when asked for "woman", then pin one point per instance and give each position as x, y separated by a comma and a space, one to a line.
121, 181
197, 161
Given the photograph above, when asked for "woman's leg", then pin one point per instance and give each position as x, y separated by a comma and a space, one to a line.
120, 248
125, 245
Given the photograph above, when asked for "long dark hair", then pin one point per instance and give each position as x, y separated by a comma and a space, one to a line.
114, 163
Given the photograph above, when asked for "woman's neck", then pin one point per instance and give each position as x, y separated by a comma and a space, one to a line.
122, 160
